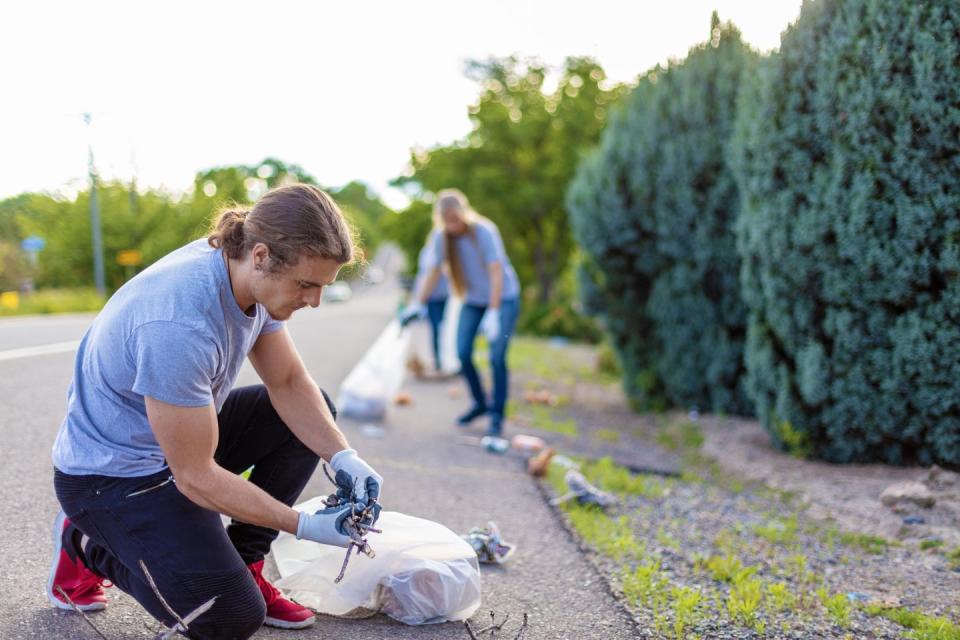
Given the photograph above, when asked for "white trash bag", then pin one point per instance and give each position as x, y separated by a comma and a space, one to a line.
369, 388
423, 573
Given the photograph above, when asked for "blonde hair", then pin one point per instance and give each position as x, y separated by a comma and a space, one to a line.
292, 221
449, 199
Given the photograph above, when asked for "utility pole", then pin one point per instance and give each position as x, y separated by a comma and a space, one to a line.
98, 275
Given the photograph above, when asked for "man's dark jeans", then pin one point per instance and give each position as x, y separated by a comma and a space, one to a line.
185, 547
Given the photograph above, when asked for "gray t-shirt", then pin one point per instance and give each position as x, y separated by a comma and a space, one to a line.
174, 333
442, 290
475, 256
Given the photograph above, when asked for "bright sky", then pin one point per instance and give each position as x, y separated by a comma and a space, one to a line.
344, 89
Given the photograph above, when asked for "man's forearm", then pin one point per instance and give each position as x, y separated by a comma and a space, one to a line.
215, 488
304, 410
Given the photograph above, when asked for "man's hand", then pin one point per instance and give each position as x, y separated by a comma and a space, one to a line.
325, 526
490, 325
411, 312
366, 482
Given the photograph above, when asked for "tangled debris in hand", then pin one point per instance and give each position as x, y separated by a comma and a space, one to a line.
361, 520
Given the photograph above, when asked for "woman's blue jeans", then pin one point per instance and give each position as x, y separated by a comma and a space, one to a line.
470, 317
435, 309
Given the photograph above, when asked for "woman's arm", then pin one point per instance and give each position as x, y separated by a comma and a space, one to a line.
495, 271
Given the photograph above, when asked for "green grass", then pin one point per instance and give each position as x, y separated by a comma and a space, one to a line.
930, 544
612, 537
922, 626
869, 543
778, 531
743, 603
610, 476
544, 419
645, 585
953, 557
607, 435
796, 442
538, 357
728, 569
686, 602
56, 301
837, 605
778, 597
680, 435
701, 469
664, 539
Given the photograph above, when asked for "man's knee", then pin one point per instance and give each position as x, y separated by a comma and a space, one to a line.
238, 612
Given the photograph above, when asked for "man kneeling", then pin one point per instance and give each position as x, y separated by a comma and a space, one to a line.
154, 437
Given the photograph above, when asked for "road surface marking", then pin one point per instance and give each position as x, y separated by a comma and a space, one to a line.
28, 352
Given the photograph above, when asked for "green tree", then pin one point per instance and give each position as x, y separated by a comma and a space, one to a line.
243, 184
515, 164
14, 268
67, 261
848, 159
654, 209
409, 229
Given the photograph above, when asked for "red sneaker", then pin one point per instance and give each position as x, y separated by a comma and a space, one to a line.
83, 586
282, 613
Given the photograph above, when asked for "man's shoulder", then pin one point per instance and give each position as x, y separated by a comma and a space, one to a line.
182, 288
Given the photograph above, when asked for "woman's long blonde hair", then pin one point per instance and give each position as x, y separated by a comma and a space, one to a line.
454, 199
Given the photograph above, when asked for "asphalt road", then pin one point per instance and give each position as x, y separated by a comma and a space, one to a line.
428, 473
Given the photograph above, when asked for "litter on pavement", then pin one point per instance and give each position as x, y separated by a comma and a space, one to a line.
539, 465
527, 444
489, 546
584, 492
495, 444
371, 430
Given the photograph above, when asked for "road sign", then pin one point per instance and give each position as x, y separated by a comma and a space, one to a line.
32, 244
129, 257
10, 300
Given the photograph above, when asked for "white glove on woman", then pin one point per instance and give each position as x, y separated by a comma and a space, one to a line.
490, 325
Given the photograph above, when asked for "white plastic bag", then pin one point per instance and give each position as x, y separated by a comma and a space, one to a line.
368, 389
423, 573
449, 361
421, 340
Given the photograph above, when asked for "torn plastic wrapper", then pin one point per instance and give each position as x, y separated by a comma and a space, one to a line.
423, 573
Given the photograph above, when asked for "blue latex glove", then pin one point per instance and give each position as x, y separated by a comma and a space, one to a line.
365, 482
325, 526
490, 325
411, 312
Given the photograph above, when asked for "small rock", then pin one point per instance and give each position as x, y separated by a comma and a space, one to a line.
910, 491
937, 477
913, 520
